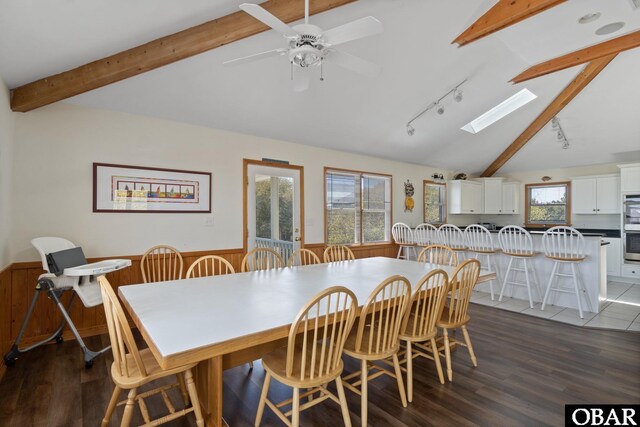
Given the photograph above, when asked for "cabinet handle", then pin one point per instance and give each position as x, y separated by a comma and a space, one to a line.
471, 210
594, 210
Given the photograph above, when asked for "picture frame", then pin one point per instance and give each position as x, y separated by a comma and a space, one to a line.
141, 189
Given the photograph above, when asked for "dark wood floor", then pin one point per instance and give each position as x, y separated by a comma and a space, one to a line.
528, 369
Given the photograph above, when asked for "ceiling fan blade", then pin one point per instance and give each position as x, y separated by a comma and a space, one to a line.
354, 63
301, 80
363, 27
255, 57
267, 18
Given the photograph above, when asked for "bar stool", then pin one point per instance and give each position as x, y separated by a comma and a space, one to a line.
426, 235
480, 242
403, 236
516, 243
452, 236
565, 245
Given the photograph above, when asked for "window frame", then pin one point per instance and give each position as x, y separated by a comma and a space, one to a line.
567, 222
424, 201
328, 169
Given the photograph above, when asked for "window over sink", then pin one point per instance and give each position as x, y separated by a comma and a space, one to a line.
547, 204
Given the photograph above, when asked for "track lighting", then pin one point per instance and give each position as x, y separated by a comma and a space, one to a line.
457, 96
560, 136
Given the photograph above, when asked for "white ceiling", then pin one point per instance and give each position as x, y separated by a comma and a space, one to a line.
347, 111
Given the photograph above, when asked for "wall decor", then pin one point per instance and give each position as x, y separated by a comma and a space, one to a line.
124, 188
408, 199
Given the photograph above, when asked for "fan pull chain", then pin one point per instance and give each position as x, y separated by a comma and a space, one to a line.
291, 70
321, 69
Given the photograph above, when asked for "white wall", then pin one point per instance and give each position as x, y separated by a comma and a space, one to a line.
7, 121
534, 177
55, 147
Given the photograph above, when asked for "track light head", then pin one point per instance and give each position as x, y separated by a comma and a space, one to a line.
457, 96
410, 130
440, 110
560, 136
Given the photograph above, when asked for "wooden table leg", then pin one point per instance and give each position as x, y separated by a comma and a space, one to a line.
208, 376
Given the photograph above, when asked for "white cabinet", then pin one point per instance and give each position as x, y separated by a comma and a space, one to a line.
510, 198
492, 195
614, 256
629, 177
465, 197
596, 195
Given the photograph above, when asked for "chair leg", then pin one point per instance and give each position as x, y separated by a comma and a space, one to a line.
467, 340
526, 279
128, 409
364, 399
263, 398
577, 288
183, 389
447, 354
112, 406
491, 281
396, 365
436, 358
193, 395
250, 365
295, 410
506, 277
399, 252
409, 372
546, 292
343, 403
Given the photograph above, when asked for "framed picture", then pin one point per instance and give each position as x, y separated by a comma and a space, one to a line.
123, 188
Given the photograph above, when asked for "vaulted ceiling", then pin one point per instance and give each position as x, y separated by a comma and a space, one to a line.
348, 111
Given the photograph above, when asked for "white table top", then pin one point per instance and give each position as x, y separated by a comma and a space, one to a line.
183, 315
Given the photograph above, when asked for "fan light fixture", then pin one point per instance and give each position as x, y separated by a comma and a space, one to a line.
560, 136
457, 96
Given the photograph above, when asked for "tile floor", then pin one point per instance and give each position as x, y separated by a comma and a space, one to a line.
621, 310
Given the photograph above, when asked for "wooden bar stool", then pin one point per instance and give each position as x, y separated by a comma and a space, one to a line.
452, 236
516, 243
403, 236
426, 235
565, 246
480, 242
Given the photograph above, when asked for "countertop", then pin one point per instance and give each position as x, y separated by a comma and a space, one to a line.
587, 232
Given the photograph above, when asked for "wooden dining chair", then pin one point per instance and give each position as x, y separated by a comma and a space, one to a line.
454, 314
303, 257
438, 254
209, 265
338, 253
376, 338
313, 356
161, 263
419, 326
133, 368
262, 259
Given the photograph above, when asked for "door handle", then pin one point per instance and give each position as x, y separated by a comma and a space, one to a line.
297, 239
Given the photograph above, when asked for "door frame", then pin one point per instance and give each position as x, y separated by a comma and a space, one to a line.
245, 185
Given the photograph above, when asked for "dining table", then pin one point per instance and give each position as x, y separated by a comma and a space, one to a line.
220, 322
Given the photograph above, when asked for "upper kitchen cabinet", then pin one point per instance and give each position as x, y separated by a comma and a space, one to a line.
630, 178
465, 197
596, 195
511, 198
492, 195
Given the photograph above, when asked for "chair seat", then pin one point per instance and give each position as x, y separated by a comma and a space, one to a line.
445, 323
562, 259
154, 371
459, 248
520, 255
350, 347
484, 251
276, 362
408, 336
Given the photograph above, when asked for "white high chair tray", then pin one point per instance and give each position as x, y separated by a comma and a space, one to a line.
97, 268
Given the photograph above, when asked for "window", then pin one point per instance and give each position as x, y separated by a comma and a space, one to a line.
547, 204
435, 202
358, 207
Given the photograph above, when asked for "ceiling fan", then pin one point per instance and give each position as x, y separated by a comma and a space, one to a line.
309, 46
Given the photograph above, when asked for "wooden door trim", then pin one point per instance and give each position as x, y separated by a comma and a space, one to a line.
245, 185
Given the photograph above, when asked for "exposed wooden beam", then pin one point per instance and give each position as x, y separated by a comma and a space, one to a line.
502, 15
157, 53
582, 56
561, 101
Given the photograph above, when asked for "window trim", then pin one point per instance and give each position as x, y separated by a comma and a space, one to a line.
424, 201
546, 184
360, 172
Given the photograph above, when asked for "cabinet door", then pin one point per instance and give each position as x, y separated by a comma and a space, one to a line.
492, 196
583, 196
473, 197
510, 198
630, 179
608, 195
614, 256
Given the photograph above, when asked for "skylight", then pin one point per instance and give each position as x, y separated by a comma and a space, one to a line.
506, 107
